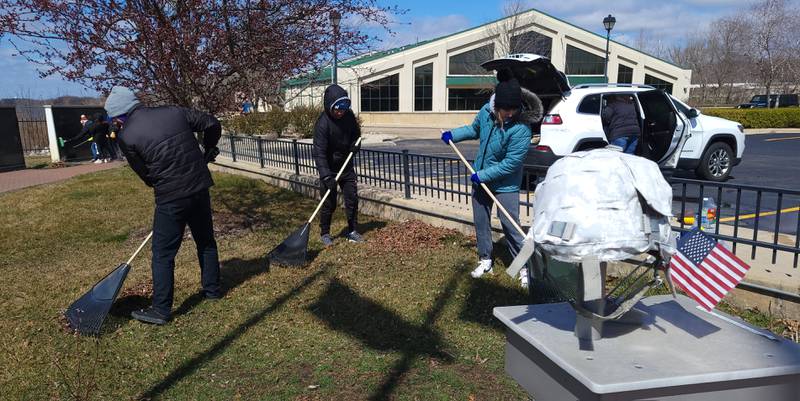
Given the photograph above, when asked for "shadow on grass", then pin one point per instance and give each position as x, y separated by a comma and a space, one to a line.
364, 228
484, 295
189, 367
342, 309
233, 273
257, 206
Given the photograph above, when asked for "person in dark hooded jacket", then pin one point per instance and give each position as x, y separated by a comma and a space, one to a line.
335, 136
160, 146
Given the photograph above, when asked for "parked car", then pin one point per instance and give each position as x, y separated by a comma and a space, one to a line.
760, 101
674, 135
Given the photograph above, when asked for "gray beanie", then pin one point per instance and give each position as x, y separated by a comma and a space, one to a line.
120, 101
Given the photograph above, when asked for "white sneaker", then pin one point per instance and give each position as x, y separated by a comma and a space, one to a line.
485, 266
98, 161
523, 277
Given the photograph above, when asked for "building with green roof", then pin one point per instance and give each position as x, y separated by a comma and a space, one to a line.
439, 82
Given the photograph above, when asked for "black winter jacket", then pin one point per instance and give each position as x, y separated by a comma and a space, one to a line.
161, 148
333, 138
620, 119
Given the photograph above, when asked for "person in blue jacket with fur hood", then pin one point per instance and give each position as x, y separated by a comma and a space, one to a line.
503, 128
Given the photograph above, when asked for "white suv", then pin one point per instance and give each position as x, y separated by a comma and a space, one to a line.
673, 134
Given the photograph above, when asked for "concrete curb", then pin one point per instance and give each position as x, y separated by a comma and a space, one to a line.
764, 131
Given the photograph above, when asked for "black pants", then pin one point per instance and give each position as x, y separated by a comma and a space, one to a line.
348, 184
169, 223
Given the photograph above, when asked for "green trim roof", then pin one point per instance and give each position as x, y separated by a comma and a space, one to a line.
585, 79
471, 80
324, 75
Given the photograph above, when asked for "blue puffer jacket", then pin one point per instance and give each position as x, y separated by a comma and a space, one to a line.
501, 152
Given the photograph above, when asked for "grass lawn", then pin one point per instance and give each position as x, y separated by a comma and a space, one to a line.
370, 321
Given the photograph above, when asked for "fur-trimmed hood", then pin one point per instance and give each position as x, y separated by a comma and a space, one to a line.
532, 109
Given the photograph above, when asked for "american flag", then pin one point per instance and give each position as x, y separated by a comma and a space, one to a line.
705, 269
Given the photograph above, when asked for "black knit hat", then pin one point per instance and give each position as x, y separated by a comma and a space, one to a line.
508, 95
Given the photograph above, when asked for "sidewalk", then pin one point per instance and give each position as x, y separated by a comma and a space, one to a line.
19, 179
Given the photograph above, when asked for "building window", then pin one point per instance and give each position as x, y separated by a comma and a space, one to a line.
658, 83
624, 74
423, 88
467, 98
531, 42
469, 62
581, 62
381, 95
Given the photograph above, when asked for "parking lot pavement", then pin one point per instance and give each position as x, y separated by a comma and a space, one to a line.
13, 180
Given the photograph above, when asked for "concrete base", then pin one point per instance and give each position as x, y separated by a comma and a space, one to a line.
682, 354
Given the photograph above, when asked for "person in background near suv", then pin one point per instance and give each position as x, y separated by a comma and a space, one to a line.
335, 136
503, 129
621, 124
161, 147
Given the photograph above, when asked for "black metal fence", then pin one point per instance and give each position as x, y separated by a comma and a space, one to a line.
749, 216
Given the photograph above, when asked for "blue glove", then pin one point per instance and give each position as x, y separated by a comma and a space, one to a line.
447, 136
475, 179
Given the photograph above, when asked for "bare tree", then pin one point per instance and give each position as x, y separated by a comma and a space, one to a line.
651, 43
694, 56
516, 32
726, 37
769, 27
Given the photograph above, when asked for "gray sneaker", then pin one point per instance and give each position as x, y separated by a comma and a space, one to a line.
326, 240
354, 237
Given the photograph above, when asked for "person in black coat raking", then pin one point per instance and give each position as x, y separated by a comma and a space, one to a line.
335, 136
160, 146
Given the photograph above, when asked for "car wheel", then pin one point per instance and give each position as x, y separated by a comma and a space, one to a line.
717, 162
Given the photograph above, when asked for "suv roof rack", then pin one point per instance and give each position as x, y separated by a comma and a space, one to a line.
582, 86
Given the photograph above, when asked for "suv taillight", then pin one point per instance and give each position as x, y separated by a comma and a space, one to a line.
542, 148
552, 119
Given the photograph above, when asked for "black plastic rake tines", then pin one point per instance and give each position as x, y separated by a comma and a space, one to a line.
87, 314
293, 251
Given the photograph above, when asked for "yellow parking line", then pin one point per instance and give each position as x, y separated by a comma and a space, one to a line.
763, 214
782, 139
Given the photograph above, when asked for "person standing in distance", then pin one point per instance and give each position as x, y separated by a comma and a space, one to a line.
335, 136
160, 146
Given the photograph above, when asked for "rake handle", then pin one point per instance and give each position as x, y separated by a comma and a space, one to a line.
486, 188
339, 174
140, 248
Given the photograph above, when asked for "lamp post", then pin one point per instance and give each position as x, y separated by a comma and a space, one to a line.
336, 18
608, 23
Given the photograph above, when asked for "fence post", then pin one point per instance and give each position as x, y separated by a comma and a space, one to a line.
406, 174
296, 153
233, 148
52, 138
261, 151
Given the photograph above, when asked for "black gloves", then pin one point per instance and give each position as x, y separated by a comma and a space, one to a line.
328, 182
355, 147
211, 154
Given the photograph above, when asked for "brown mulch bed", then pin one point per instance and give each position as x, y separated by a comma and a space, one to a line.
409, 237
141, 289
